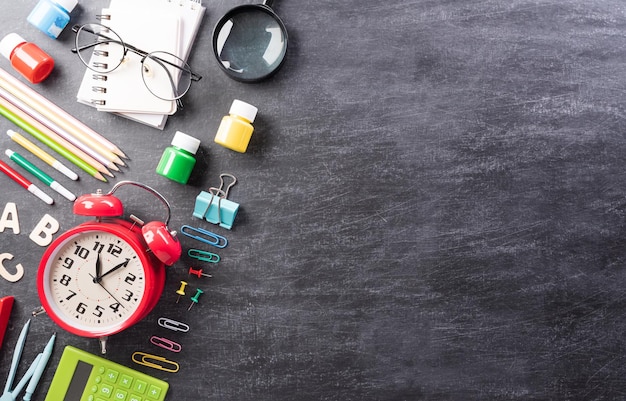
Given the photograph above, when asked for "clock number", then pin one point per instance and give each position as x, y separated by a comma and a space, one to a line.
112, 248
68, 263
130, 279
115, 307
81, 308
128, 296
65, 280
81, 252
72, 295
99, 311
98, 247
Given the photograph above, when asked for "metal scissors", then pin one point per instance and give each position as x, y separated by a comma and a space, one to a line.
11, 395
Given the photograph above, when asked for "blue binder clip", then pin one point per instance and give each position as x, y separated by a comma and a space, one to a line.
214, 207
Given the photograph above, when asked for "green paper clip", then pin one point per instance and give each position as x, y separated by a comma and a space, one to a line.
204, 255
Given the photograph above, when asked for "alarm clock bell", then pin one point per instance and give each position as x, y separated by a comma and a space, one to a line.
160, 240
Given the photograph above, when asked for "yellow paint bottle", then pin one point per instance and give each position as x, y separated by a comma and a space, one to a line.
236, 129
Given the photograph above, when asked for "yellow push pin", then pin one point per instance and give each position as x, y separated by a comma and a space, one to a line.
181, 290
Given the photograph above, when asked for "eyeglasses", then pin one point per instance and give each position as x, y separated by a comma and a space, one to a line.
166, 76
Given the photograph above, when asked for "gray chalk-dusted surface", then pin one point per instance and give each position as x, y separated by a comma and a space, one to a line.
432, 207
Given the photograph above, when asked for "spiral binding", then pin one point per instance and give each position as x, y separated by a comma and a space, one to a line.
100, 77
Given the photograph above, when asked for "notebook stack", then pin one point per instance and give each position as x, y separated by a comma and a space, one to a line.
150, 25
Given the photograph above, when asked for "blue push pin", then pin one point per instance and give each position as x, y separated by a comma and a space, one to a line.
194, 299
214, 207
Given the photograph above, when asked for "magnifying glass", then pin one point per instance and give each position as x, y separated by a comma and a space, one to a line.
250, 42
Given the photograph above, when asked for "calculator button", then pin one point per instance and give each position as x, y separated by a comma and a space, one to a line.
140, 386
101, 370
126, 381
98, 379
106, 390
154, 392
91, 397
94, 389
134, 397
111, 375
120, 395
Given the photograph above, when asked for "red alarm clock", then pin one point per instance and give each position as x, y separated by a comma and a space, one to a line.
104, 276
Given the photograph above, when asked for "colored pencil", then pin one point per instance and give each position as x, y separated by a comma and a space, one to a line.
42, 154
60, 132
39, 174
51, 139
29, 186
58, 115
54, 137
11, 113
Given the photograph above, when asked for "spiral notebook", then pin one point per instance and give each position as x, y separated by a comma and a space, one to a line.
123, 89
150, 25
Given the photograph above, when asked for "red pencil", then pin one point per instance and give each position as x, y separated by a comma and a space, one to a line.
29, 186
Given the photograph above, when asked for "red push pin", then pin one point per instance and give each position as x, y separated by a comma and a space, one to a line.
198, 272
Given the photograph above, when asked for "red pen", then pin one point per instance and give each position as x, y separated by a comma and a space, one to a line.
29, 186
6, 304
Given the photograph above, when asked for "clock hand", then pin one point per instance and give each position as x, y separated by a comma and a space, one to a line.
123, 264
109, 292
98, 269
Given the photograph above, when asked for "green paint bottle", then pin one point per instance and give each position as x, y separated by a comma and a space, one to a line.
178, 160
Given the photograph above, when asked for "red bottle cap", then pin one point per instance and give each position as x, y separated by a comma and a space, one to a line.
27, 58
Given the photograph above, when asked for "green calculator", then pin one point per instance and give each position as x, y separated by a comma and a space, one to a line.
82, 376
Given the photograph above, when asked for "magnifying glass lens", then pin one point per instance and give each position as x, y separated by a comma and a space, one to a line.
251, 43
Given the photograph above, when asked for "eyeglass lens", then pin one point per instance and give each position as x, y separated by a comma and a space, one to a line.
165, 75
99, 48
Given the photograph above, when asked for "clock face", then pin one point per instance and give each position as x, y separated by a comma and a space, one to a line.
94, 281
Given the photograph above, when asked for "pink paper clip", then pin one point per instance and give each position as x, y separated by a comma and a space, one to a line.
165, 343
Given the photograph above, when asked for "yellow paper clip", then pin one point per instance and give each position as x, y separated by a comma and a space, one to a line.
144, 359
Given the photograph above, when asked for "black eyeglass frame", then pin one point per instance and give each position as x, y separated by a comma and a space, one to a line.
141, 53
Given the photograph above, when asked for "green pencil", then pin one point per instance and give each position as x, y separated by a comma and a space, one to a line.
20, 122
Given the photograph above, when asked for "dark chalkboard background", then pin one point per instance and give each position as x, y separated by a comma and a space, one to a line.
432, 207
